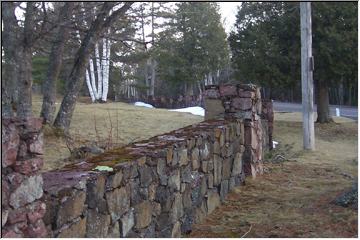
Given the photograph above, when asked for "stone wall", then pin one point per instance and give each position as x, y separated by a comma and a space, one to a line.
21, 183
156, 188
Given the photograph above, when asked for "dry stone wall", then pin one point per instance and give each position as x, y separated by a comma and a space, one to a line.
154, 188
21, 183
157, 188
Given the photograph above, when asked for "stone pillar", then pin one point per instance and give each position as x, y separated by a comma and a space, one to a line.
243, 101
22, 210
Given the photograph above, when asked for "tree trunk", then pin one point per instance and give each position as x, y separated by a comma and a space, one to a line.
76, 77
57, 49
153, 76
24, 105
323, 110
9, 79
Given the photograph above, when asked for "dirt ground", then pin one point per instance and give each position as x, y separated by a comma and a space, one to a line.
111, 124
294, 198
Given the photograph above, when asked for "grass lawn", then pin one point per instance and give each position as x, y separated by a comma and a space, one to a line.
118, 123
294, 198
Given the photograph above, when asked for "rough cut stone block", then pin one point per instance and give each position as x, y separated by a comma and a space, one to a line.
213, 200
161, 171
212, 94
186, 174
242, 103
36, 211
224, 189
71, 208
217, 170
227, 90
75, 230
95, 191
204, 166
17, 215
114, 181
36, 146
210, 180
97, 224
183, 157
29, 190
36, 230
176, 231
169, 155
246, 94
237, 165
118, 202
232, 183
177, 208
8, 157
4, 216
213, 109
143, 214
174, 180
114, 231
226, 168
145, 176
195, 159
200, 213
127, 222
29, 166
205, 153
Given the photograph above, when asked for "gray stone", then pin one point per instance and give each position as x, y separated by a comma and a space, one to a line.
213, 200
232, 183
187, 204
224, 189
174, 180
152, 191
163, 225
196, 197
156, 208
145, 176
205, 153
204, 186
75, 230
213, 108
169, 155
210, 180
195, 159
217, 170
186, 222
204, 166
200, 213
114, 181
177, 208
118, 202
135, 196
175, 157
29, 190
182, 187
210, 165
71, 208
114, 231
183, 157
97, 224
95, 193
176, 231
186, 174
226, 168
237, 165
161, 171
127, 222
143, 214
4, 217
217, 147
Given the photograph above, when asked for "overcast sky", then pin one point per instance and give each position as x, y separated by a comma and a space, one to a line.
228, 12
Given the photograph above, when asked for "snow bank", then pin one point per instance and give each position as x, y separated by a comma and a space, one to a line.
142, 104
193, 110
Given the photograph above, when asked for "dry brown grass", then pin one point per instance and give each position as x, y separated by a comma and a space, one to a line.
129, 123
294, 199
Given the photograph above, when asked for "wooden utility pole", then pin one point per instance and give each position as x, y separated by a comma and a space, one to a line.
307, 68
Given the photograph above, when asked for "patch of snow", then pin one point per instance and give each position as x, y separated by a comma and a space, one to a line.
275, 143
193, 110
142, 104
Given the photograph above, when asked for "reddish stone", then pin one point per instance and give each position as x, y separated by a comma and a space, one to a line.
5, 192
37, 211
29, 166
242, 103
22, 149
212, 93
32, 124
36, 230
9, 157
10, 234
18, 215
227, 90
246, 94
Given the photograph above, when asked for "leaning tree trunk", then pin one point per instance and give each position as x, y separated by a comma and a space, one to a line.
10, 67
76, 77
57, 49
323, 110
24, 105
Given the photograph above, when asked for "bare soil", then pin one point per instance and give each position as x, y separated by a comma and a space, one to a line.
294, 198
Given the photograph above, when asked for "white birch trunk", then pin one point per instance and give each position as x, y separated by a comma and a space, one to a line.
92, 77
88, 83
99, 72
106, 68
